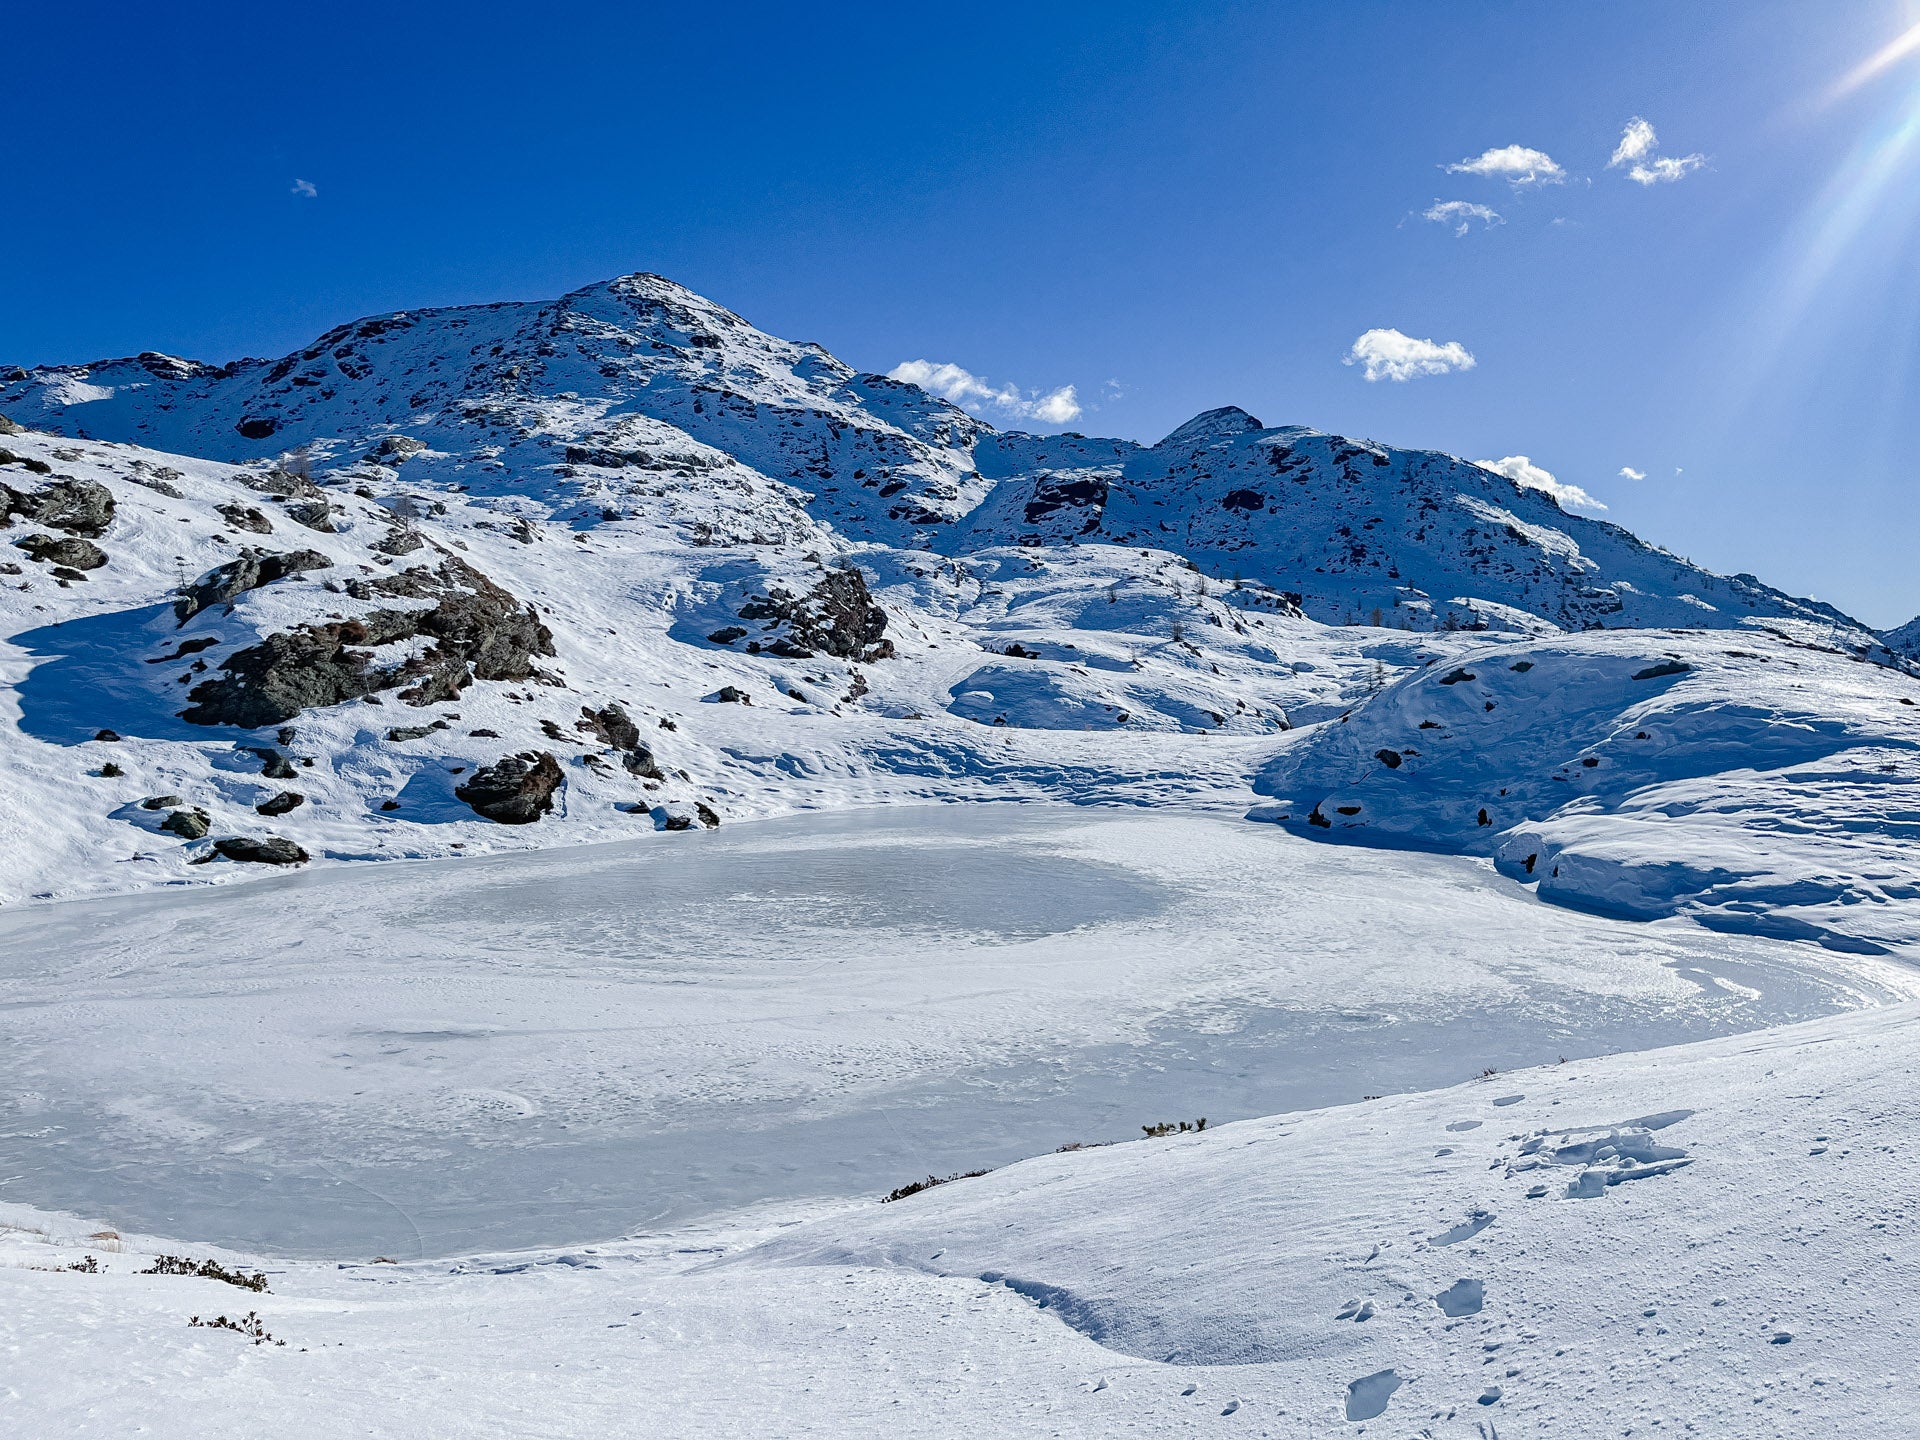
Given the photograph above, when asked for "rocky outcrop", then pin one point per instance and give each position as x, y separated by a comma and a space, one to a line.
245, 517
225, 582
475, 630
516, 790
838, 616
187, 824
79, 507
267, 850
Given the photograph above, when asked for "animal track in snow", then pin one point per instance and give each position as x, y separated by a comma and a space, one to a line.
1476, 1221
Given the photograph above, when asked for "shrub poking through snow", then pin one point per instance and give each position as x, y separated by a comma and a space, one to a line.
927, 1184
249, 1325
206, 1270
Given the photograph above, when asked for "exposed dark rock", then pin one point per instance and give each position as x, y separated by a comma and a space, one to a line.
838, 616
7, 427
1080, 492
664, 819
707, 817
1456, 676
160, 802
395, 448
80, 554
283, 802
516, 790
188, 824
107, 736
80, 507
1388, 758
613, 727
732, 695
273, 764
269, 850
111, 771
478, 630
284, 485
314, 514
484, 734
246, 517
408, 732
1663, 669
258, 427
398, 542
66, 574
727, 634
225, 582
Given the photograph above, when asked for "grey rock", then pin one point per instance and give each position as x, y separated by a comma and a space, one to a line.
267, 850
245, 517
225, 582
80, 507
188, 824
480, 632
80, 554
160, 802
280, 804
516, 790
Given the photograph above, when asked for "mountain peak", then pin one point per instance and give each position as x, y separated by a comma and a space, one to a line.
1221, 424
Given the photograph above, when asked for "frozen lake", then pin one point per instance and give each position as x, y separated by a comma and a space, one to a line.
540, 1049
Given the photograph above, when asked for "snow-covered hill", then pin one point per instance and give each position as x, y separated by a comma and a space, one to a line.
514, 574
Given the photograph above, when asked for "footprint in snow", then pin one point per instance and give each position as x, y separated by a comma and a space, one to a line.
1464, 1125
1462, 1298
1367, 1397
1476, 1221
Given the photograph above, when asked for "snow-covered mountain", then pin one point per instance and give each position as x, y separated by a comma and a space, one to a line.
621, 559
638, 388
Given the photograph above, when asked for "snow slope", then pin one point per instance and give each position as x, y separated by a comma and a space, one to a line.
1753, 782
1707, 1240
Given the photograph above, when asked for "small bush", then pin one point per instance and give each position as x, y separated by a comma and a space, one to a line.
249, 1325
927, 1184
206, 1270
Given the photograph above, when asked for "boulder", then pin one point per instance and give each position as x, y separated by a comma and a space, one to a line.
80, 554
837, 616
245, 517
161, 802
280, 804
80, 507
266, 850
188, 824
516, 790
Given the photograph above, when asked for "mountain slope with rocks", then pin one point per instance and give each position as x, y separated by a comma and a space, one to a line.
448, 580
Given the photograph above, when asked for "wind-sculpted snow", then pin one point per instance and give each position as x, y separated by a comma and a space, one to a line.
1754, 782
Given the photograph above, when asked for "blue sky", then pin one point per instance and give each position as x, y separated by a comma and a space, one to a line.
1167, 207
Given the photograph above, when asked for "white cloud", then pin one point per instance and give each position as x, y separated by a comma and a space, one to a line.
1629, 473
1523, 472
1460, 214
973, 392
305, 188
1516, 164
1636, 143
1666, 169
1389, 355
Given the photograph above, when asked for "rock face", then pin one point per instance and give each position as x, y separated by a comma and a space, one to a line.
236, 577
476, 631
268, 850
837, 616
516, 790
80, 507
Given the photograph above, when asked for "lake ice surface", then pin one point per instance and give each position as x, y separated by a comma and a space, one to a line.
545, 1048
